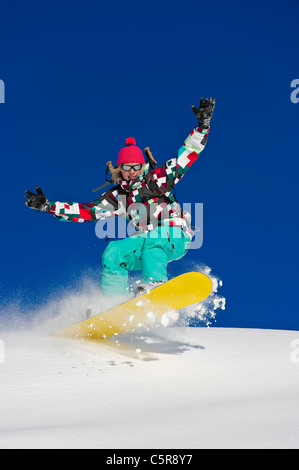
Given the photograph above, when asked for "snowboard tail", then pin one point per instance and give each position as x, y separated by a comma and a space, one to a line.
182, 291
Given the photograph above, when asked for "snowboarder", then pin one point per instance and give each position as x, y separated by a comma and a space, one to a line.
144, 196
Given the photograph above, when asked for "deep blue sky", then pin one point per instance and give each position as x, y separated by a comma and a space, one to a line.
82, 76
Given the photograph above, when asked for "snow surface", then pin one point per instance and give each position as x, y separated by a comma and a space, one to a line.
167, 387
173, 387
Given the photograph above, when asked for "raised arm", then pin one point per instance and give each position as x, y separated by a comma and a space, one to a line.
174, 169
103, 207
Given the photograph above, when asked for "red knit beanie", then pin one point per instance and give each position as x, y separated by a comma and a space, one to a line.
130, 153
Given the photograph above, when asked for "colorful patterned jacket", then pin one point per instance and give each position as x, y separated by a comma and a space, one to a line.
147, 201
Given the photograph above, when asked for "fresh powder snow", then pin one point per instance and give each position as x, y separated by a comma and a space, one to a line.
169, 386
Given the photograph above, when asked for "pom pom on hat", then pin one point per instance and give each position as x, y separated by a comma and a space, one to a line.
131, 153
130, 141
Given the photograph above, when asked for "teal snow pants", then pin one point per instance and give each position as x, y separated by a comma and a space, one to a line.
149, 252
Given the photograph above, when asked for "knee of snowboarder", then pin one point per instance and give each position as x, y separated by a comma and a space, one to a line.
111, 255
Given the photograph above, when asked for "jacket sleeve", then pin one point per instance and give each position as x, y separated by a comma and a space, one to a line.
174, 169
103, 207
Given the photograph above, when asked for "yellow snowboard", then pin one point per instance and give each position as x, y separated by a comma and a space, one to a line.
180, 292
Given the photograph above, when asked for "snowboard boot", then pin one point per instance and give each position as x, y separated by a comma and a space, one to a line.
88, 313
146, 288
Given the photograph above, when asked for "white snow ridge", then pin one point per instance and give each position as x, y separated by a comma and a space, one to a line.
166, 387
184, 388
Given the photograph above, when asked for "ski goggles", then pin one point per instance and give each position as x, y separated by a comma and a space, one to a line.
126, 167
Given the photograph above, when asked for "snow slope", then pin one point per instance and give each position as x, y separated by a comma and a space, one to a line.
171, 388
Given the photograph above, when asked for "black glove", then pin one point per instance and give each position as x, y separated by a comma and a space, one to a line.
204, 112
37, 201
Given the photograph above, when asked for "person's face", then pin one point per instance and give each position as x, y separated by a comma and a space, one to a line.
128, 172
